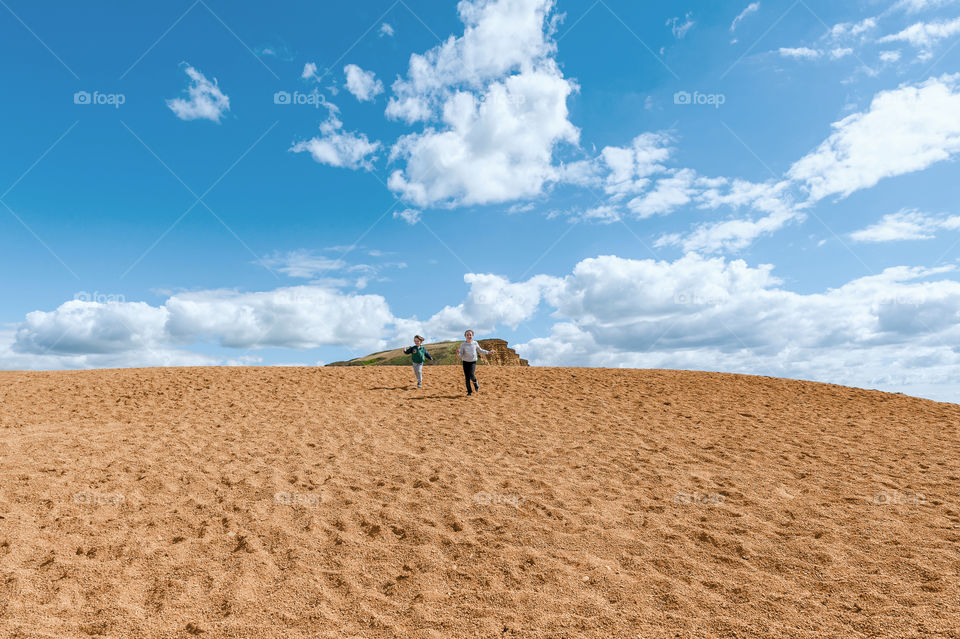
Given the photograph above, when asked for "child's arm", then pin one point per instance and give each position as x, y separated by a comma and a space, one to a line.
481, 351
460, 351
409, 350
427, 353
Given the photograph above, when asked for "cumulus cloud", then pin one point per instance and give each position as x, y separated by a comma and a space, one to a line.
337, 147
494, 104
905, 129
885, 330
362, 84
309, 71
205, 102
906, 224
492, 301
293, 317
80, 327
385, 30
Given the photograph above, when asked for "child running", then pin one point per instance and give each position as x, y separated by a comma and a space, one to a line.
417, 357
468, 355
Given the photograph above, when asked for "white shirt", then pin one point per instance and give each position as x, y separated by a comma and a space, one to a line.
468, 351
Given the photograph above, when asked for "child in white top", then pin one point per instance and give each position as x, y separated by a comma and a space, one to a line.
468, 355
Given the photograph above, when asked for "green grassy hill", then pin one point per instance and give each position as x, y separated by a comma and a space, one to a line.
442, 353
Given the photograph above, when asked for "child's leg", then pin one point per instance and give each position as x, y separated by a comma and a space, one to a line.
468, 373
418, 371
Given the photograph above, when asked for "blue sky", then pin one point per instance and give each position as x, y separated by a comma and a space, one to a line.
765, 187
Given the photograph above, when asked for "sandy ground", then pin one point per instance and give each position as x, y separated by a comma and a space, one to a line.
302, 502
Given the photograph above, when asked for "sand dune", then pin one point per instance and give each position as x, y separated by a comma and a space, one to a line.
303, 502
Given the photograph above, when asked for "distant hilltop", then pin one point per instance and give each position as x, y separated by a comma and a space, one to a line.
442, 353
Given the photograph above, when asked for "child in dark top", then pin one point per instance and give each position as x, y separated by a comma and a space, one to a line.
418, 353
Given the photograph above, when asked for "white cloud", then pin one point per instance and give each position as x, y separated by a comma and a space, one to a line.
303, 264
906, 129
906, 224
362, 84
491, 301
889, 56
680, 26
337, 147
386, 30
494, 149
799, 53
206, 101
293, 317
629, 168
132, 332
500, 37
925, 34
916, 6
886, 330
347, 150
494, 101
309, 71
736, 234
86, 327
329, 272
753, 7
851, 29
667, 194
45, 359
806, 53
410, 216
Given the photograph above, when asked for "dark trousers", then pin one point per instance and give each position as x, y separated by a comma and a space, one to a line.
470, 374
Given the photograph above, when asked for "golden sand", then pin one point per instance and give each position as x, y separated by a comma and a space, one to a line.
557, 502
